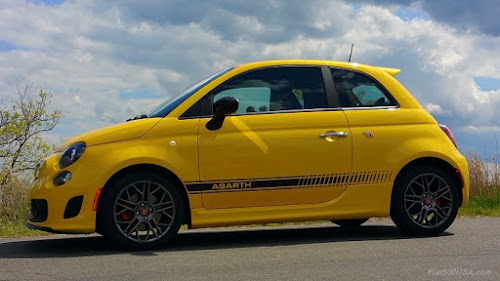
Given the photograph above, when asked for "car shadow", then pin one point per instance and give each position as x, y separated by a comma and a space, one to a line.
193, 240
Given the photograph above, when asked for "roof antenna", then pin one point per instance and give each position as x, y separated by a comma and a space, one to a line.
350, 55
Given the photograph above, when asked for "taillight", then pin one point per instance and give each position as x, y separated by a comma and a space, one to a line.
460, 178
448, 133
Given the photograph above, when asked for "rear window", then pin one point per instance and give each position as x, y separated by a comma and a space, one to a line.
359, 90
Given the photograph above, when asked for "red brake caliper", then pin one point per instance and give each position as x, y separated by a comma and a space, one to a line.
126, 216
438, 202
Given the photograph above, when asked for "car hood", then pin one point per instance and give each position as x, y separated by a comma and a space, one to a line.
119, 132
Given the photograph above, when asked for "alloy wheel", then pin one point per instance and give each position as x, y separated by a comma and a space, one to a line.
428, 200
144, 211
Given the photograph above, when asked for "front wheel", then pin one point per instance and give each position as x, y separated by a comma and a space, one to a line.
141, 211
425, 201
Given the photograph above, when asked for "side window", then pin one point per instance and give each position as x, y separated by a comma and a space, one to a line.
358, 90
273, 89
252, 99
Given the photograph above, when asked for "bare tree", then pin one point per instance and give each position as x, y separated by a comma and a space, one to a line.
21, 122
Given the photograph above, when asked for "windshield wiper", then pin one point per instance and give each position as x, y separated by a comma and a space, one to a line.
140, 116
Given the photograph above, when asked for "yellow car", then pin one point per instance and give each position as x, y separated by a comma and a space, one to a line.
270, 141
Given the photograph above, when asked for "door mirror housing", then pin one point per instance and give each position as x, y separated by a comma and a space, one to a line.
222, 107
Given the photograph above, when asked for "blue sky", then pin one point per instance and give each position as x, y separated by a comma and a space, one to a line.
487, 83
105, 61
47, 2
6, 46
408, 13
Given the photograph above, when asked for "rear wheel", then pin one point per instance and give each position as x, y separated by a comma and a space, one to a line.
425, 201
349, 223
141, 211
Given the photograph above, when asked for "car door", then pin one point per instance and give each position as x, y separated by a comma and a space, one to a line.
377, 124
286, 144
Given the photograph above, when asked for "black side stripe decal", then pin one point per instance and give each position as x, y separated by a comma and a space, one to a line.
309, 181
241, 184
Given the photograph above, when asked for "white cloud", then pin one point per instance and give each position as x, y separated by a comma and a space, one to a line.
482, 129
433, 108
77, 99
478, 16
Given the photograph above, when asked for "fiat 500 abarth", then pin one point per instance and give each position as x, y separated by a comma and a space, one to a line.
270, 141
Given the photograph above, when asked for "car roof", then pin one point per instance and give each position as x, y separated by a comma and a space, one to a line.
351, 65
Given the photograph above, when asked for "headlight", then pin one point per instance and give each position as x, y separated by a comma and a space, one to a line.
71, 154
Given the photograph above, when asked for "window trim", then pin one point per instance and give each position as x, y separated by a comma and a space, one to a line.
322, 109
206, 104
370, 107
380, 86
331, 92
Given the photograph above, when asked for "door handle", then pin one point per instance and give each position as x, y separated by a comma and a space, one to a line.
334, 134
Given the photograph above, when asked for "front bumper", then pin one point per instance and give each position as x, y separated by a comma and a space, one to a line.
69, 207
46, 229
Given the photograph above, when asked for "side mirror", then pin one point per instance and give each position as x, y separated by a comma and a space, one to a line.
222, 107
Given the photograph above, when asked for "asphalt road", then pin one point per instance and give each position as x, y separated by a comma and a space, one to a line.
469, 250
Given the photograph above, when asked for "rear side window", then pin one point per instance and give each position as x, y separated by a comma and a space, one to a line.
359, 90
275, 89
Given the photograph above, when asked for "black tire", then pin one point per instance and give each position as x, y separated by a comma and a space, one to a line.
349, 223
424, 201
140, 221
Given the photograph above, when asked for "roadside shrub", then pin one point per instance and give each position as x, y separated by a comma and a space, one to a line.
484, 179
23, 120
14, 205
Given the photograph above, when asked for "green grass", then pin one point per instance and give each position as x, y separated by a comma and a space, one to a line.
481, 205
18, 229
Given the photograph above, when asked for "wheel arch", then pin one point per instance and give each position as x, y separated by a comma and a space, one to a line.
146, 167
436, 162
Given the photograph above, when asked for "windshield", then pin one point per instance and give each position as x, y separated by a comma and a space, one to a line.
169, 104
